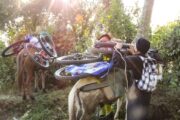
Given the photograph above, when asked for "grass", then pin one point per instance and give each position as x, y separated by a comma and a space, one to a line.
53, 105
49, 106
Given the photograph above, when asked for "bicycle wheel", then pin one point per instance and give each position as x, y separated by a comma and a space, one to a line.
37, 58
78, 58
102, 51
60, 75
13, 49
48, 46
105, 44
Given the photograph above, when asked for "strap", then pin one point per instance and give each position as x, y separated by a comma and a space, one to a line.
142, 58
148, 57
94, 86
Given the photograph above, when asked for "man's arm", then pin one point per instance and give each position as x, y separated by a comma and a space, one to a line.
130, 61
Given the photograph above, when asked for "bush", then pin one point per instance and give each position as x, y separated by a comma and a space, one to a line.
166, 39
7, 71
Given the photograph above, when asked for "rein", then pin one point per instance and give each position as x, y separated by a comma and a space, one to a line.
125, 68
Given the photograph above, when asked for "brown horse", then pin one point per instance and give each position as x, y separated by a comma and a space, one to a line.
39, 81
26, 69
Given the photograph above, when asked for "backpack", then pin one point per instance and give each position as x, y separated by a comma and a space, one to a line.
149, 75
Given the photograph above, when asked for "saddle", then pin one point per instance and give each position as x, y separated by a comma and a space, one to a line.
115, 79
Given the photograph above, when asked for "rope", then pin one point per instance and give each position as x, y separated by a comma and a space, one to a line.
125, 68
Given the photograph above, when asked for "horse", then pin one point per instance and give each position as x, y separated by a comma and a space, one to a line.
39, 81
25, 74
81, 105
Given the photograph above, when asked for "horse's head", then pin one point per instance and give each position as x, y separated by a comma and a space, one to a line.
155, 54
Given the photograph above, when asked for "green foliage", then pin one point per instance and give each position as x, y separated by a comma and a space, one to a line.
7, 71
52, 106
167, 40
8, 10
119, 24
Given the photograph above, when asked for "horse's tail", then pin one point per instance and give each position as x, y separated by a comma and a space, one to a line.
19, 79
71, 104
74, 105
79, 105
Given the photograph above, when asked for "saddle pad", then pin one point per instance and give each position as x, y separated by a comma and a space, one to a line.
94, 86
95, 68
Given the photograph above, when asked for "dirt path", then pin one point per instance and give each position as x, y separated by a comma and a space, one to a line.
165, 105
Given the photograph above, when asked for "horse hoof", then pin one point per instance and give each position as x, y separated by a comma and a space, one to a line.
36, 90
107, 117
44, 91
24, 97
32, 98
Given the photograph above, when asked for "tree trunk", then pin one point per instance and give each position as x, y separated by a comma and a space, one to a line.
145, 20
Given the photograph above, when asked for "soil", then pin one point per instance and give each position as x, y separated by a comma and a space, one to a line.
165, 105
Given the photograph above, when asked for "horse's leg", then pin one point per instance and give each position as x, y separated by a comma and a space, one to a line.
30, 77
78, 105
119, 103
82, 110
21, 82
72, 107
75, 105
138, 102
24, 95
81, 104
43, 73
84, 114
20, 75
19, 79
36, 87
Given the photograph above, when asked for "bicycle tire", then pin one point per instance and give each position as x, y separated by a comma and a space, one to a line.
101, 51
58, 75
64, 59
105, 44
34, 57
52, 53
4, 52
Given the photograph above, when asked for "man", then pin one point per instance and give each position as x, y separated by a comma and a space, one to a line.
106, 110
138, 100
104, 38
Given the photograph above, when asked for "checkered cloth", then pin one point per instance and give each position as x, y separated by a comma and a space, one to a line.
149, 76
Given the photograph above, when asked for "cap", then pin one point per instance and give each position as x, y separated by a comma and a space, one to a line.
105, 35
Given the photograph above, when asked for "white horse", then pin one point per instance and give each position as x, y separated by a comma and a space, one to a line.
81, 105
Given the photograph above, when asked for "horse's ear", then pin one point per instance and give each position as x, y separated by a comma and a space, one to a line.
47, 38
154, 53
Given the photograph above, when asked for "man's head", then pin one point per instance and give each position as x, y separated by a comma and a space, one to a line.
104, 38
142, 45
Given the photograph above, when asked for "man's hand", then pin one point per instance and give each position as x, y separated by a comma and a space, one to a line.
118, 45
132, 49
116, 58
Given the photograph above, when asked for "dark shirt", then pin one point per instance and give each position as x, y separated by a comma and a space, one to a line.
134, 63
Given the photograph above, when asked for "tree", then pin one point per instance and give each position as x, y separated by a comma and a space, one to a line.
166, 39
117, 22
8, 10
145, 20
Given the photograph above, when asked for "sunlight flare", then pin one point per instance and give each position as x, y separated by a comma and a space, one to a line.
66, 2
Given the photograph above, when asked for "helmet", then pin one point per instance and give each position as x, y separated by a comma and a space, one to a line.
47, 44
28, 37
45, 35
105, 35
